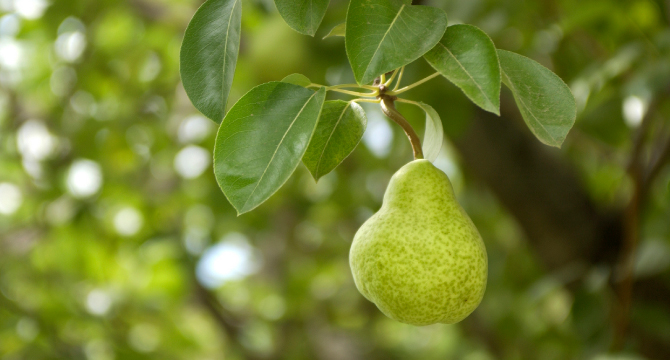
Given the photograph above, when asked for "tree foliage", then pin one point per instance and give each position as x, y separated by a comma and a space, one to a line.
116, 242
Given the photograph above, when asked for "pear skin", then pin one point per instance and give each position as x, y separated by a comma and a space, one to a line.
420, 258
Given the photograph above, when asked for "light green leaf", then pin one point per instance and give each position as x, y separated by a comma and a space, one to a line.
298, 79
209, 55
467, 57
383, 35
340, 129
303, 16
546, 103
338, 30
434, 135
262, 139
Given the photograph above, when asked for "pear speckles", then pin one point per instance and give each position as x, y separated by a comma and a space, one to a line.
420, 258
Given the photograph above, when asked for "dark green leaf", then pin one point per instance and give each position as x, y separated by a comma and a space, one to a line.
545, 102
262, 139
434, 135
209, 55
298, 79
340, 129
467, 57
383, 35
303, 16
338, 30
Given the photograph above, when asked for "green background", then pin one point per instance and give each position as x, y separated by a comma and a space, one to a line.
90, 94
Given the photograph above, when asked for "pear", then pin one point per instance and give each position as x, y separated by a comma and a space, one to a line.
420, 258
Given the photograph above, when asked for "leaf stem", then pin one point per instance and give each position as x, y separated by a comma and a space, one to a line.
376, 101
355, 93
340, 89
355, 86
397, 84
390, 80
412, 86
388, 107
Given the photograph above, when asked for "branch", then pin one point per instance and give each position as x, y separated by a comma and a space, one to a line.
660, 159
229, 325
642, 176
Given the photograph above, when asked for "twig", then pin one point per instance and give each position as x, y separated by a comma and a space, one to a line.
389, 109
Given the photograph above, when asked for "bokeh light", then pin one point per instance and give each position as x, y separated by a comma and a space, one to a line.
84, 178
10, 198
128, 221
232, 258
192, 161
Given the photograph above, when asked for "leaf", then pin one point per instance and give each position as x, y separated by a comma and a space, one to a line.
303, 16
297, 79
546, 103
340, 129
338, 30
468, 58
262, 140
383, 35
434, 135
209, 55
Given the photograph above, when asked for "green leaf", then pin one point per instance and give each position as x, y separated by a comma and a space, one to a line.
262, 139
338, 30
467, 57
303, 16
383, 35
434, 135
545, 102
297, 79
340, 129
209, 55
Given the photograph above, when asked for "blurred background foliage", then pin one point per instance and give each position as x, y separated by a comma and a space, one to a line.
116, 242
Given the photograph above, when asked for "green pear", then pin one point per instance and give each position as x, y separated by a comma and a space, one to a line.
420, 258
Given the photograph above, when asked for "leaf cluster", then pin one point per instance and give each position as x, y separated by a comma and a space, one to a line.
266, 134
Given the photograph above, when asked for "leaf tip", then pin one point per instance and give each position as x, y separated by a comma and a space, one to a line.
557, 143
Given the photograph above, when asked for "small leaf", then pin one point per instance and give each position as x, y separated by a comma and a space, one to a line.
262, 139
340, 129
546, 103
467, 57
297, 79
434, 136
303, 16
209, 55
338, 30
383, 35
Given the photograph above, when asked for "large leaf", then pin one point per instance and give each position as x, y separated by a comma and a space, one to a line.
340, 129
209, 55
467, 57
262, 139
383, 35
434, 135
546, 103
303, 16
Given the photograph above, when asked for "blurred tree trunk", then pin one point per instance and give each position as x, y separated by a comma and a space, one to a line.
542, 191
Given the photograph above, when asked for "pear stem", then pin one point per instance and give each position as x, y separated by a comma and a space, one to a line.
388, 107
